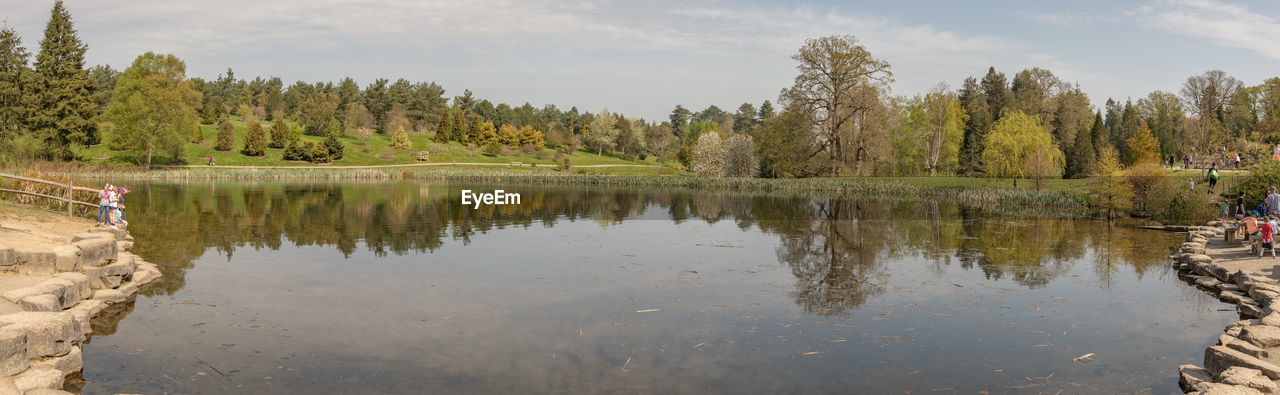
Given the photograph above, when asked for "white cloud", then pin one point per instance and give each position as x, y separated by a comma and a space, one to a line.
1226, 24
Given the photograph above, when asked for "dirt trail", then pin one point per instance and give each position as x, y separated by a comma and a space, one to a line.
393, 166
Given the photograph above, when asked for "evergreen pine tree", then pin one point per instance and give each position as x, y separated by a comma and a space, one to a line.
255, 142
64, 105
226, 136
13, 69
443, 131
279, 134
460, 129
1081, 162
336, 150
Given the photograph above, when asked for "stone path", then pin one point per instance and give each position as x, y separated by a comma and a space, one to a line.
1246, 359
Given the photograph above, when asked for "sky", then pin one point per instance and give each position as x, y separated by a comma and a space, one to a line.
641, 58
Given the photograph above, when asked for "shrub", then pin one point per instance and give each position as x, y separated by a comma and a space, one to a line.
318, 153
708, 156
541, 154
226, 136
255, 142
1173, 203
296, 151
528, 149
562, 163
334, 147
1108, 190
643, 156
493, 148
363, 134
279, 134
400, 140
1255, 185
1143, 179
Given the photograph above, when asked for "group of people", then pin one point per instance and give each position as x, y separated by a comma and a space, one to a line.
1262, 223
111, 206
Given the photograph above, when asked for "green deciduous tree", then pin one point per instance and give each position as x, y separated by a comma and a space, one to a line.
64, 105
1143, 147
784, 144
602, 135
1109, 189
154, 107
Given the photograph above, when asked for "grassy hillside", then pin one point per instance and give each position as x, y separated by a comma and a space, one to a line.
374, 151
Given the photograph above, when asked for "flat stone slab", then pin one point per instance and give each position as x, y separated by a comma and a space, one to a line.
72, 362
1251, 378
41, 302
48, 334
109, 296
13, 352
39, 378
1218, 359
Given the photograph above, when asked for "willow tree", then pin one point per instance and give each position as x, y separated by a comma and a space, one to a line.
838, 85
154, 106
1019, 147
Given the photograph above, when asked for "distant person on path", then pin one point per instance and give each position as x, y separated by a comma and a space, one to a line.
1267, 230
104, 204
210, 159
1213, 177
1186, 162
1237, 161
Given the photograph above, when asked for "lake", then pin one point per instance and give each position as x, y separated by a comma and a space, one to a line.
395, 286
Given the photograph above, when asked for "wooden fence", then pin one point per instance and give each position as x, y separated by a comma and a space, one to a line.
65, 199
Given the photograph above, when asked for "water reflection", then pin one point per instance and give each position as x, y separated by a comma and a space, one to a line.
834, 247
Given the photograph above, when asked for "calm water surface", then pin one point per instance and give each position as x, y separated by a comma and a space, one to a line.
395, 287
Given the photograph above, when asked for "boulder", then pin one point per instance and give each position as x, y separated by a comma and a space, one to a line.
1261, 335
1242, 346
77, 288
41, 302
48, 334
1207, 281
1263, 296
1232, 297
1229, 286
47, 287
1250, 309
131, 288
1192, 375
39, 378
1246, 377
1236, 327
72, 362
1191, 248
35, 260
118, 234
1196, 258
109, 296
1208, 388
78, 237
66, 258
99, 276
1272, 319
1261, 286
1218, 272
1218, 359
84, 313
13, 352
96, 252
7, 256
124, 245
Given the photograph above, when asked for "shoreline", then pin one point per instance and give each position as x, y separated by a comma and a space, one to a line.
868, 187
54, 285
1246, 358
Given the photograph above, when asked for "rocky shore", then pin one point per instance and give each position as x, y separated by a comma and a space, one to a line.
51, 290
1246, 359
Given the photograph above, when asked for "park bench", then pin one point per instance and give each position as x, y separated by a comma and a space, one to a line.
514, 164
421, 155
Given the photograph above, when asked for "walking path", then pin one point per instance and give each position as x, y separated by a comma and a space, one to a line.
1246, 359
399, 165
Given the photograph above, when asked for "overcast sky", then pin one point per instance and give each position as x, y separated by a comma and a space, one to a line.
642, 58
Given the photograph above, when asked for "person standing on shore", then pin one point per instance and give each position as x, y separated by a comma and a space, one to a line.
120, 192
112, 199
104, 204
1240, 209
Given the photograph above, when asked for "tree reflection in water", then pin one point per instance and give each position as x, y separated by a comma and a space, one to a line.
833, 246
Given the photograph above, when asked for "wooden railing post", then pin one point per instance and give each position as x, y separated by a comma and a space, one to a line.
70, 206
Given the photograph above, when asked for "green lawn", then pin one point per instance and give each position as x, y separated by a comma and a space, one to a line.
374, 151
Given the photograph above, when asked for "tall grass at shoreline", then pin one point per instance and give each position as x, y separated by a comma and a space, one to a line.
865, 187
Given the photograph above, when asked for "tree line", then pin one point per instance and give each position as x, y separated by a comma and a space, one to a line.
838, 118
